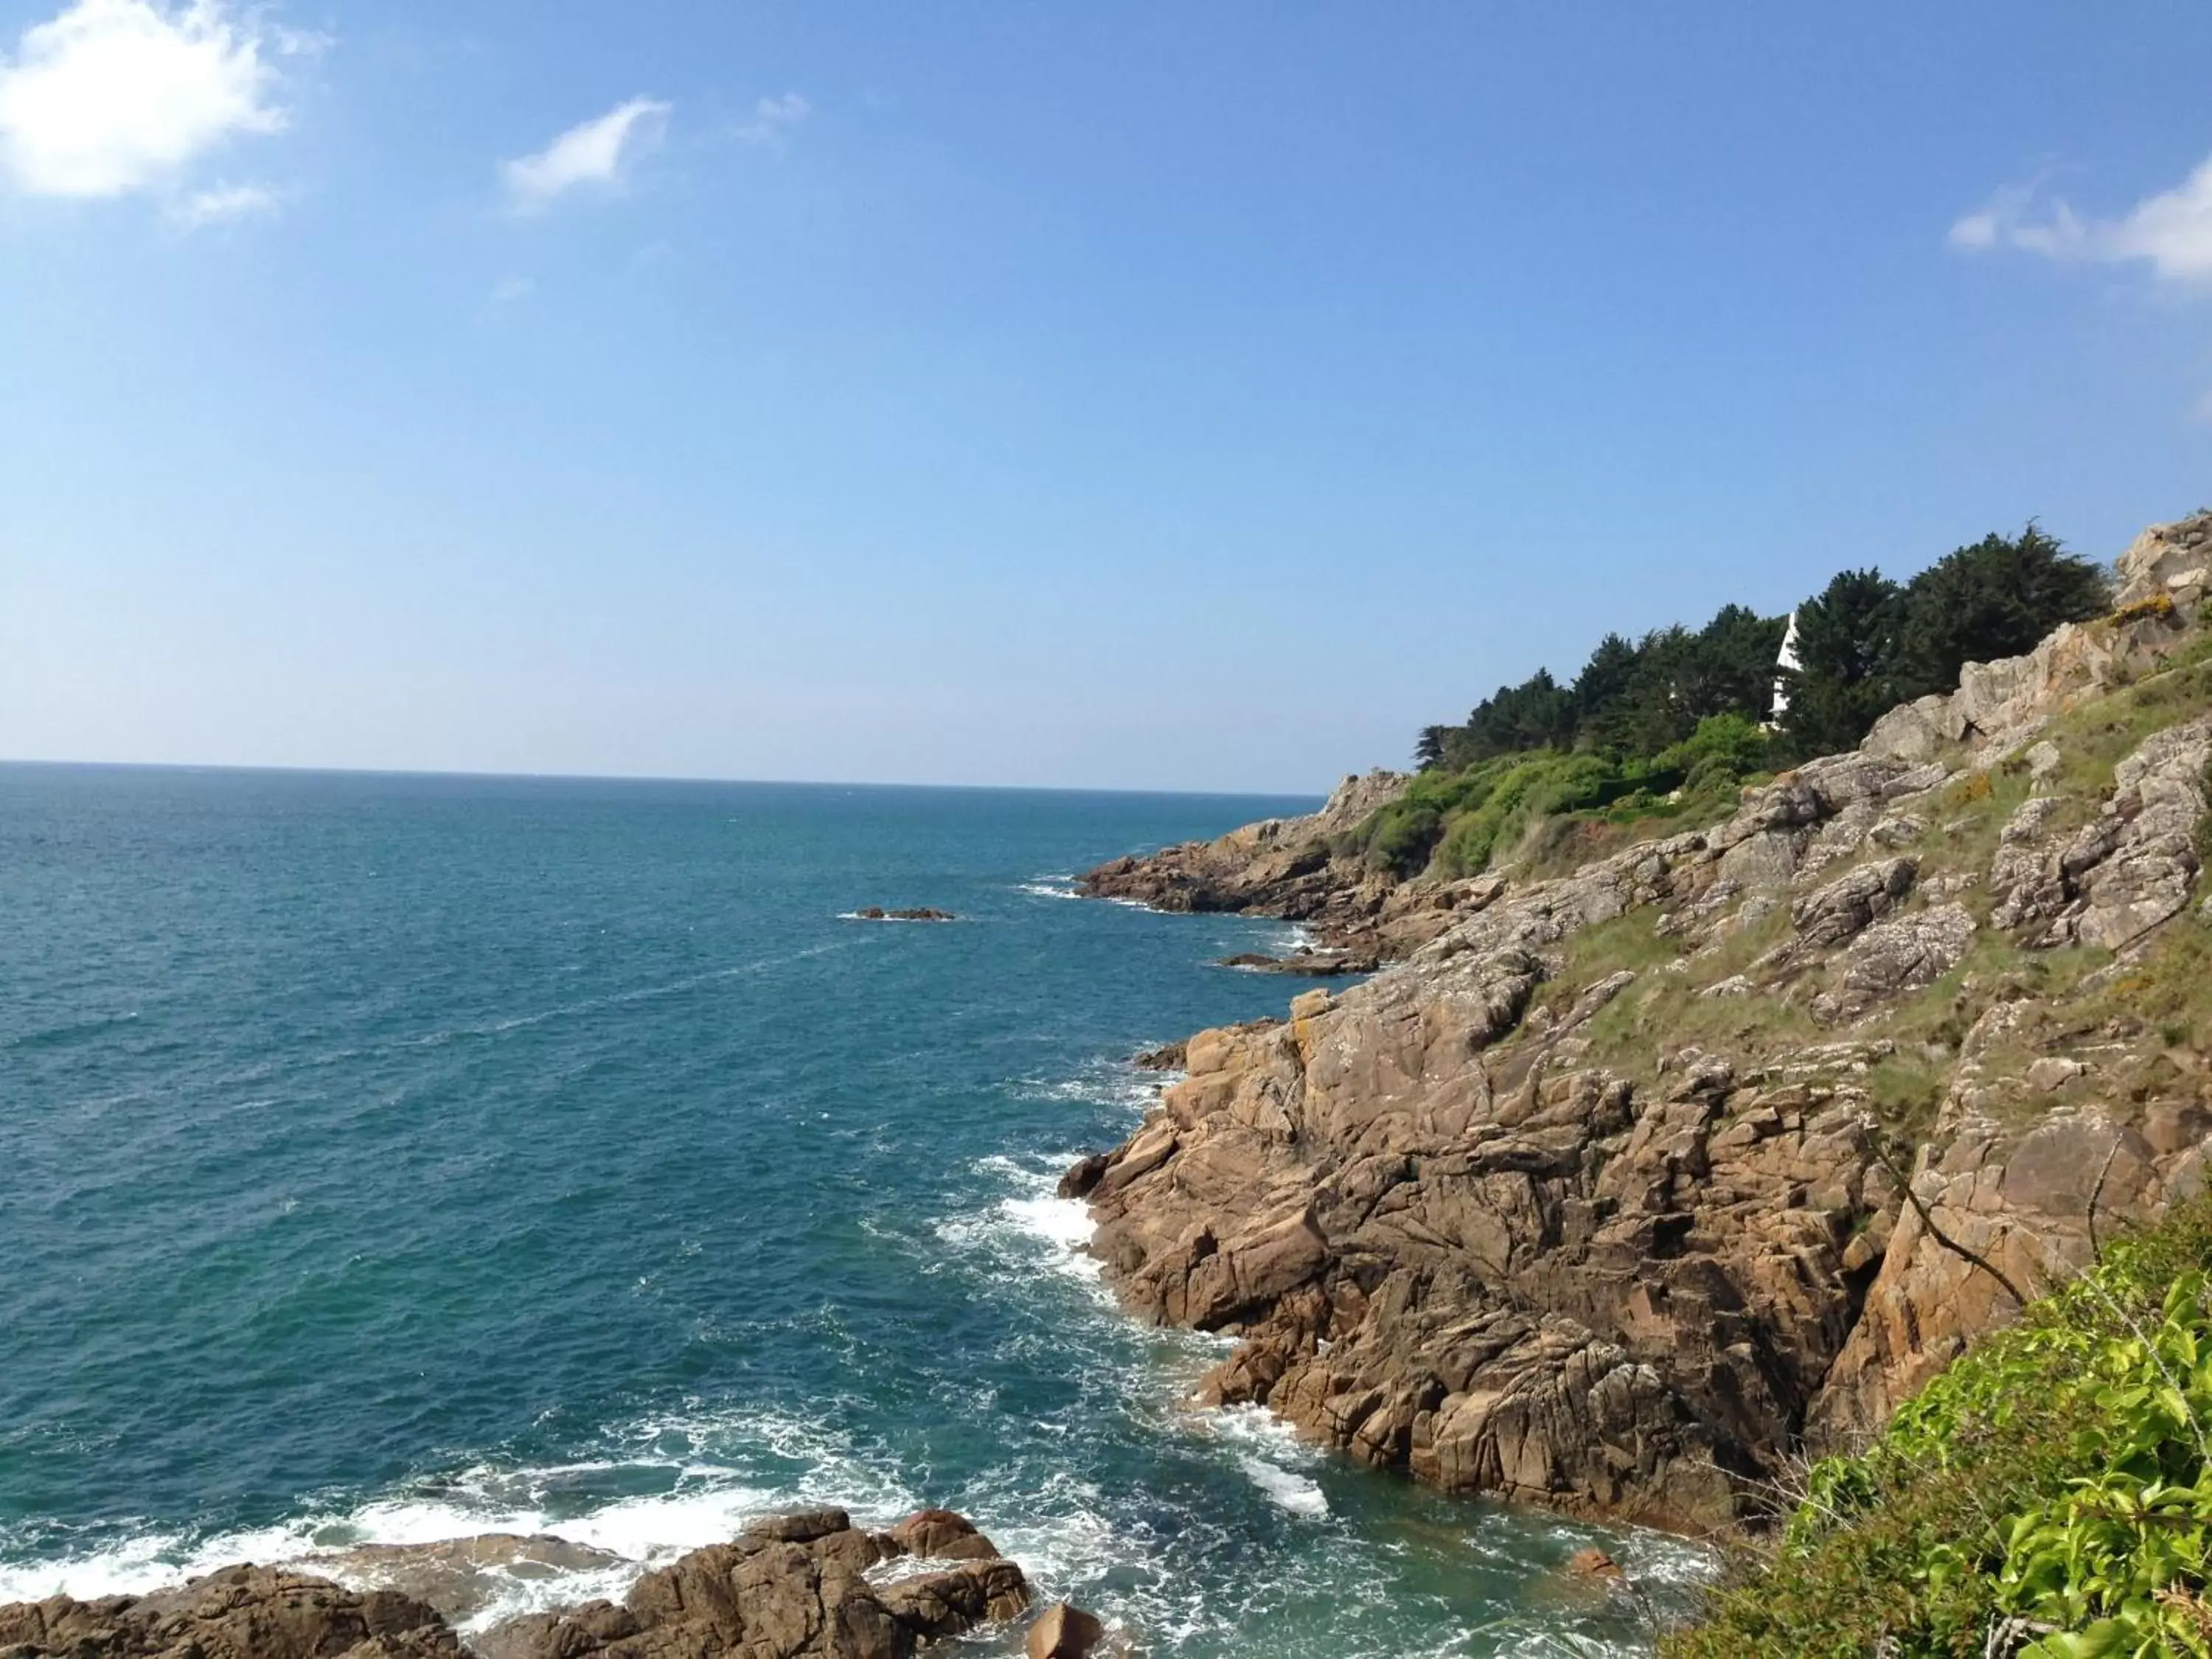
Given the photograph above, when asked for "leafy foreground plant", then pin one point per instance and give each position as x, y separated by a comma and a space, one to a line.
2049, 1495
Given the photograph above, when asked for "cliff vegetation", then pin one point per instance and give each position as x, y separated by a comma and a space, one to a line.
1669, 726
2048, 1496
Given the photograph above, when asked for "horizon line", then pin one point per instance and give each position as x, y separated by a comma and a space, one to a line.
638, 777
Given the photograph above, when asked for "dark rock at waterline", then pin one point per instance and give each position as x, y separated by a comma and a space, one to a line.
877, 912
241, 1613
1309, 963
1168, 1057
789, 1588
1080, 1182
1064, 1631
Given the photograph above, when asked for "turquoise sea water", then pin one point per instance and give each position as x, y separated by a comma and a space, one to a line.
388, 1158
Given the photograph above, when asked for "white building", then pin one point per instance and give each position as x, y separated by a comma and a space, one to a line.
1785, 663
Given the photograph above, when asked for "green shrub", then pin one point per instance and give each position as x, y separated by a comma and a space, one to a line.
2060, 1474
1403, 839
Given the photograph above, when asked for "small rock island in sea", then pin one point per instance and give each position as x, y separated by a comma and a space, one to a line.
877, 912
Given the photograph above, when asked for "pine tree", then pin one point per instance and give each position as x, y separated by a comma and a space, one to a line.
1996, 599
1846, 654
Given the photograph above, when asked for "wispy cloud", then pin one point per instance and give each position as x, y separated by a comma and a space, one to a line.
112, 96
2171, 232
225, 203
598, 152
512, 290
774, 118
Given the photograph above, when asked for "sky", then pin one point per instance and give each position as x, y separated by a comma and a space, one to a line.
1144, 396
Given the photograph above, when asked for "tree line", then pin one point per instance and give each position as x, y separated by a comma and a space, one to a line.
1864, 644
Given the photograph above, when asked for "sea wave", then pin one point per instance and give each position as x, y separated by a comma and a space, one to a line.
1030, 1226
1269, 1451
1102, 1081
1054, 885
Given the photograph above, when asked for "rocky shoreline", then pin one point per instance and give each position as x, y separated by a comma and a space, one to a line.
804, 1586
1615, 1191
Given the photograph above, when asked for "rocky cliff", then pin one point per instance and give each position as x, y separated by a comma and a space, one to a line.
1624, 1186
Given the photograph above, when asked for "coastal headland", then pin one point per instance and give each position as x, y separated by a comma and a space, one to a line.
1618, 1187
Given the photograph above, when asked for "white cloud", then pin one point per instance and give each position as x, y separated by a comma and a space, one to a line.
224, 203
594, 152
773, 118
112, 96
2172, 231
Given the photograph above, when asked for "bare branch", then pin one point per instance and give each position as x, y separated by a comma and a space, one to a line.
1974, 1257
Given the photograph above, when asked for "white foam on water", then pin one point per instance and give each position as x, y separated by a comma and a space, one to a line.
1115, 1083
1256, 1428
1051, 887
1300, 1494
146, 1562
1269, 1451
701, 1455
1033, 1226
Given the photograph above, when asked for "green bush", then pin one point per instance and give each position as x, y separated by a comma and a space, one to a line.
2059, 1474
1457, 823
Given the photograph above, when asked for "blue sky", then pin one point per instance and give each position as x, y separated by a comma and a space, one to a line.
1127, 396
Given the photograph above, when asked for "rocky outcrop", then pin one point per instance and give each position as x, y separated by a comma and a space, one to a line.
1064, 1632
241, 1613
2129, 869
1289, 868
877, 912
1469, 1221
2160, 587
1304, 963
2168, 562
795, 1587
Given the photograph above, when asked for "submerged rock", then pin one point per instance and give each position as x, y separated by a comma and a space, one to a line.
1593, 1564
461, 1576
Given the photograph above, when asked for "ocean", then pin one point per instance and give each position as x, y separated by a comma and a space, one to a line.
389, 1158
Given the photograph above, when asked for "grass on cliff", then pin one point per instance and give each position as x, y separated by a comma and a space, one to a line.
2059, 1475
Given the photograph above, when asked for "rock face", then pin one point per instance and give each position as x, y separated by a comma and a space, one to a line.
1468, 1224
240, 1613
793, 1587
2168, 562
2131, 868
